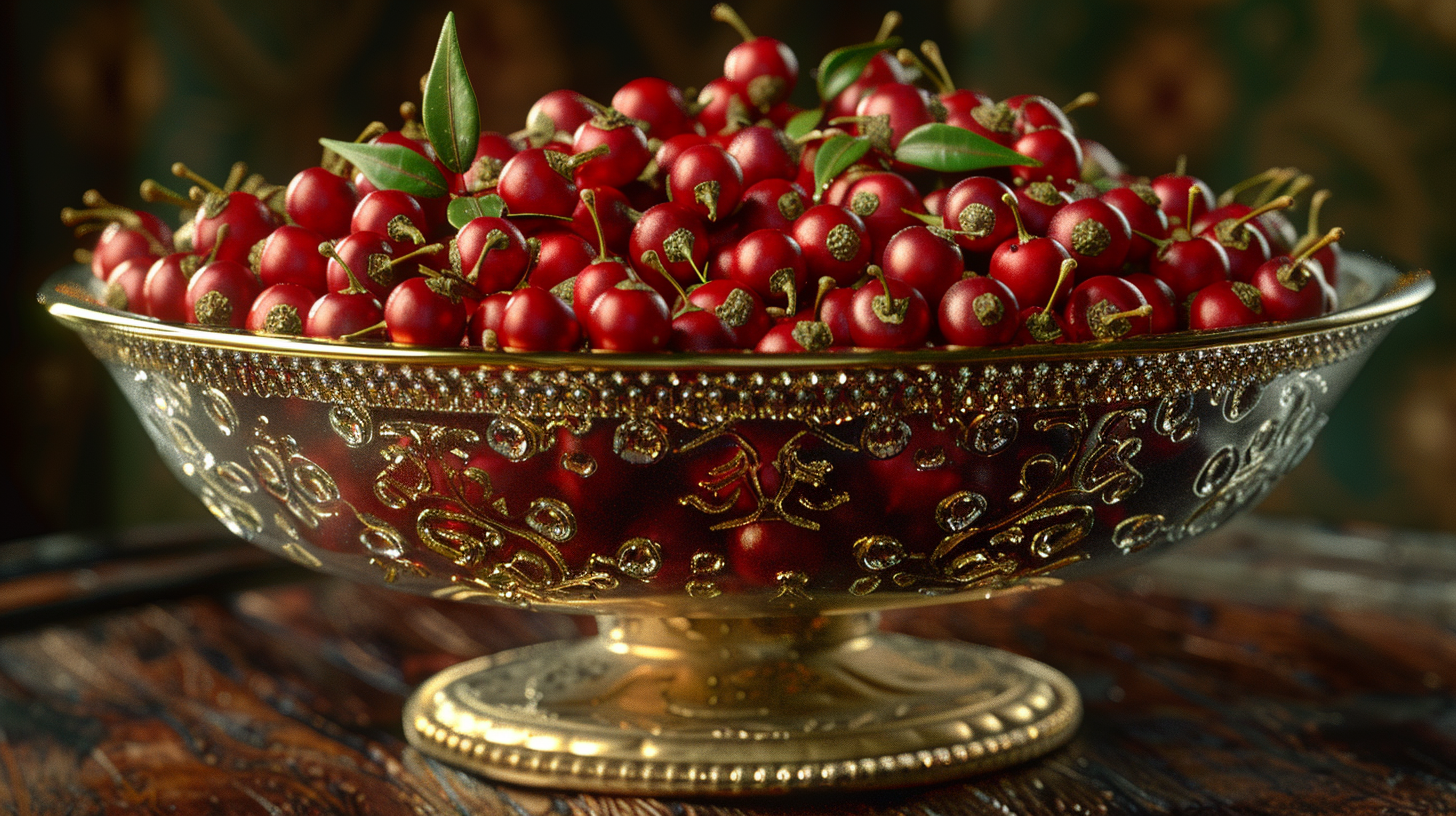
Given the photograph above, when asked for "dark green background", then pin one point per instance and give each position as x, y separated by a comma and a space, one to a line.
1361, 93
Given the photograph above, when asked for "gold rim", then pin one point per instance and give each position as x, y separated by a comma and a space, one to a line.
72, 295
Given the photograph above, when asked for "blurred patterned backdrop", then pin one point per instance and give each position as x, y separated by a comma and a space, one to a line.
104, 93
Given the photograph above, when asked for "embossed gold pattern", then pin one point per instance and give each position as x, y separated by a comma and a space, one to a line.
623, 484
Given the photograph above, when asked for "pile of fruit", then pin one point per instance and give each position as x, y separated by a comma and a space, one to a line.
891, 216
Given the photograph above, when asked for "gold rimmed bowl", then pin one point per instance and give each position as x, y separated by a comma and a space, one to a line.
736, 521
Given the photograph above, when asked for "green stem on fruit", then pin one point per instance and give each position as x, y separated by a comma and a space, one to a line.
925, 218
724, 13
1231, 194
327, 250
907, 58
1328, 238
235, 176
155, 193
932, 53
589, 200
651, 259
495, 239
1063, 274
1086, 99
364, 332
888, 24
181, 170
1311, 233
1141, 311
1181, 167
1022, 234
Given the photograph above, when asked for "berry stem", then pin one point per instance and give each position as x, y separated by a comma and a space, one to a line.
157, 194
1280, 203
1231, 194
888, 24
1141, 311
1022, 235
651, 259
235, 176
1276, 182
1328, 238
181, 170
826, 285
222, 234
1086, 99
495, 239
1068, 267
927, 218
1311, 233
327, 250
908, 59
932, 53
1181, 167
589, 200
724, 13
364, 332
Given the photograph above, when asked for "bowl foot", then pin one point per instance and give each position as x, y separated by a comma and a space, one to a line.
741, 707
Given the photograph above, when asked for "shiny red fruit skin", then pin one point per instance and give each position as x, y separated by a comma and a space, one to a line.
926, 261
290, 295
755, 321
772, 204
706, 164
1085, 305
486, 316
1037, 113
659, 224
1246, 249
700, 330
629, 318
536, 320
595, 279
355, 249
321, 201
164, 290
337, 314
249, 221
882, 68
867, 329
1031, 270
234, 281
764, 254
1059, 153
978, 230
884, 201
716, 98
1219, 306
908, 107
762, 57
116, 244
625, 160
1142, 216
1172, 191
529, 184
835, 242
1289, 292
978, 311
562, 255
290, 255
566, 110
835, 312
762, 153
1187, 266
502, 266
1165, 315
375, 210
1098, 250
128, 277
615, 214
657, 102
417, 315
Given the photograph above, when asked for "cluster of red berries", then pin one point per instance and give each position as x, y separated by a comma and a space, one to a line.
889, 217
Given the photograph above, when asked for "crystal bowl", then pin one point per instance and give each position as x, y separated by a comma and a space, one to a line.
735, 519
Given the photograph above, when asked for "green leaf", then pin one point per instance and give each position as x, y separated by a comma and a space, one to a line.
842, 66
951, 149
803, 122
392, 167
464, 210
834, 157
451, 114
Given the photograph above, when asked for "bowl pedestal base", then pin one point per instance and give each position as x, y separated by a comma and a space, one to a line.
741, 707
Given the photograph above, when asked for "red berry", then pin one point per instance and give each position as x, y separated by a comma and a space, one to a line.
425, 312
765, 68
1225, 305
124, 286
220, 294
290, 255
739, 308
560, 111
657, 102
928, 260
1161, 298
487, 317
881, 69
721, 99
978, 311
885, 202
536, 320
120, 243
772, 204
1106, 307
771, 264
629, 317
1031, 268
1289, 289
706, 180
907, 107
562, 255
613, 212
1095, 234
699, 330
678, 240
595, 279
391, 213
625, 157
1058, 152
164, 290
1139, 205
1182, 198
341, 313
321, 201
888, 314
762, 153
835, 243
976, 211
1189, 265
280, 309
493, 253
368, 255
248, 221
538, 182
1036, 113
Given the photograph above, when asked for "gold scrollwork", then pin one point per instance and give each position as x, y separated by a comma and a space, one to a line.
726, 483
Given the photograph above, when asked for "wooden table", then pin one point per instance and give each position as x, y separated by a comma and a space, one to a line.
1271, 668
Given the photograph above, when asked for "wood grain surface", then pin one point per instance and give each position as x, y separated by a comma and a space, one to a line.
1202, 697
